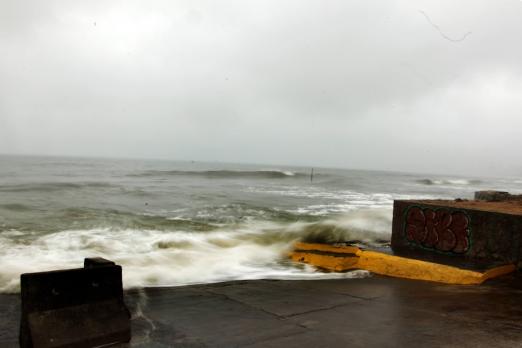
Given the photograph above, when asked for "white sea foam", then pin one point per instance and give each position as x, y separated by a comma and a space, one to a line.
161, 258
449, 182
285, 172
344, 200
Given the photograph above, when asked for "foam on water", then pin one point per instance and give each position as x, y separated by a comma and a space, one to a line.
253, 250
339, 201
461, 182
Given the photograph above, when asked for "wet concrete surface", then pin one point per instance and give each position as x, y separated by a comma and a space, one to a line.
369, 312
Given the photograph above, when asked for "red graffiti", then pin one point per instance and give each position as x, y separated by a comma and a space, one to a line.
438, 229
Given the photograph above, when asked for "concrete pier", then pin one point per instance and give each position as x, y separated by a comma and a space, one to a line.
369, 312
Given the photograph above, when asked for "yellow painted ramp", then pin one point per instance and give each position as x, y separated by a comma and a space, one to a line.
344, 258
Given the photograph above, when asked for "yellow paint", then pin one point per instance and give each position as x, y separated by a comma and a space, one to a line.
498, 271
338, 258
326, 248
332, 263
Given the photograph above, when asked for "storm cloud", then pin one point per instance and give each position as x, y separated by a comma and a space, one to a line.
425, 86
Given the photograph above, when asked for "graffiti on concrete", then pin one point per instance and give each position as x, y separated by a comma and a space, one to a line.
439, 229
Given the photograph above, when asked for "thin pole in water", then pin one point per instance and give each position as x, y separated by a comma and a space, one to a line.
312, 175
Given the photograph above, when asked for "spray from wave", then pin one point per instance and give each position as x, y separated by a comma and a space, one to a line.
167, 257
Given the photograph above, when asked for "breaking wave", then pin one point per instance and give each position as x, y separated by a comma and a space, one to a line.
448, 182
215, 174
181, 255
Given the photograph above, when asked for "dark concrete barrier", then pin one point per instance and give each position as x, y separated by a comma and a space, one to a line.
492, 196
496, 196
74, 308
489, 233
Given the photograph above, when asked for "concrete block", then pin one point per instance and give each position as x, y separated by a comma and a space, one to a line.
486, 233
492, 196
93, 262
75, 307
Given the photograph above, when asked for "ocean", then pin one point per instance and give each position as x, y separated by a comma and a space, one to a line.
172, 223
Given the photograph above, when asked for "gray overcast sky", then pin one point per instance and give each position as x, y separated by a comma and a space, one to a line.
429, 86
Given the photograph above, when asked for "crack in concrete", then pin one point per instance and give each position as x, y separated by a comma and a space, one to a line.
283, 317
318, 310
358, 297
279, 317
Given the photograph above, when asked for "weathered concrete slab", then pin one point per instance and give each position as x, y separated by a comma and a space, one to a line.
9, 320
201, 316
273, 298
368, 312
371, 312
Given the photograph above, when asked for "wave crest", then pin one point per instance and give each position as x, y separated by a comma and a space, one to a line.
223, 174
462, 182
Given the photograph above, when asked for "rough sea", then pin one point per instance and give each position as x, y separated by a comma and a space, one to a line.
175, 223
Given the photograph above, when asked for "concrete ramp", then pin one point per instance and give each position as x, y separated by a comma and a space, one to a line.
345, 258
